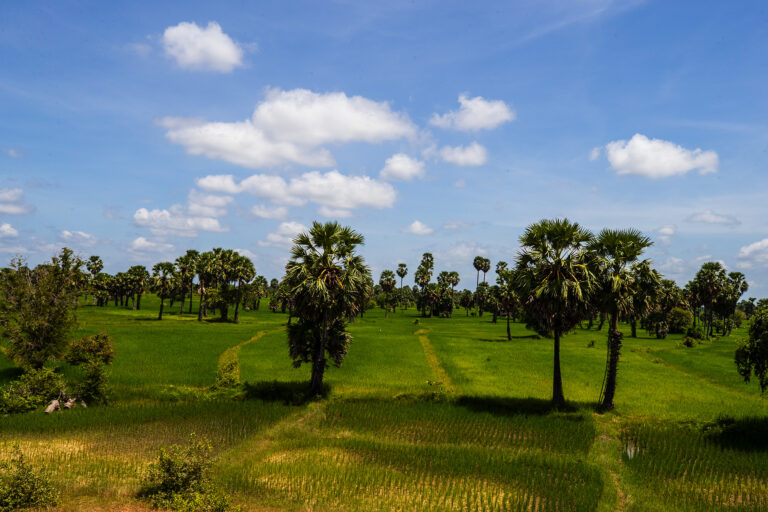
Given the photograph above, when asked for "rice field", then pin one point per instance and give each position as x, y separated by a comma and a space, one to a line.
424, 414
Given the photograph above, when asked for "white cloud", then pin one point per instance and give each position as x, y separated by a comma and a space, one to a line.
756, 252
290, 127
334, 213
332, 190
667, 232
206, 205
175, 221
13, 153
284, 235
463, 253
710, 217
202, 49
402, 167
269, 212
475, 114
655, 158
595, 153
12, 202
248, 254
199, 214
141, 244
673, 265
471, 155
460, 183
222, 183
8, 231
418, 228
452, 225
79, 238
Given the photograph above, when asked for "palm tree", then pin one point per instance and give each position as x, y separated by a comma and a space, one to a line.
162, 275
402, 271
478, 264
387, 282
243, 272
508, 298
554, 281
205, 275
485, 267
422, 277
136, 280
616, 251
326, 279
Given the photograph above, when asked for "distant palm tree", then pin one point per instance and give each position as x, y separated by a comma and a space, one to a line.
485, 267
162, 275
205, 266
387, 282
554, 281
326, 279
402, 271
616, 251
243, 273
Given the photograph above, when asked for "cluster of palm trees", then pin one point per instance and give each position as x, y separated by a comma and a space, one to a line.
221, 278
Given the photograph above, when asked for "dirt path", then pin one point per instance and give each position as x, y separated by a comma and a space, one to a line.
228, 367
441, 375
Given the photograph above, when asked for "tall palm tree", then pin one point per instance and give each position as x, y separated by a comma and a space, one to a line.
326, 279
616, 252
554, 281
162, 275
485, 267
387, 282
402, 271
243, 272
478, 264
508, 298
205, 277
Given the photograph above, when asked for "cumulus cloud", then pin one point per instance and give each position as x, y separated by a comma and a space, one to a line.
756, 252
202, 48
8, 231
334, 213
463, 252
331, 190
710, 217
656, 158
418, 228
269, 212
471, 155
141, 244
402, 167
199, 214
284, 235
595, 153
247, 253
667, 232
475, 114
12, 202
290, 127
78, 238
673, 265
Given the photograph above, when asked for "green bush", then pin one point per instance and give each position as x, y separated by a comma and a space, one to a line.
98, 348
93, 387
679, 320
179, 480
696, 333
22, 487
689, 342
33, 389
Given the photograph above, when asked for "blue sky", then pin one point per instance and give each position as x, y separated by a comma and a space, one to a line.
137, 131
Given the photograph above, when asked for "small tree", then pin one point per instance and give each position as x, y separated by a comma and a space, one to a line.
752, 355
162, 282
37, 310
387, 282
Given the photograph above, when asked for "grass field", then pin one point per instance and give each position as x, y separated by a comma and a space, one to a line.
424, 414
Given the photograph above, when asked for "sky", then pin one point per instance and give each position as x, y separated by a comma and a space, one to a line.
138, 130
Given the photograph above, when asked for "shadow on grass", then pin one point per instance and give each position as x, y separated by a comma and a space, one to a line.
519, 406
290, 393
9, 374
745, 434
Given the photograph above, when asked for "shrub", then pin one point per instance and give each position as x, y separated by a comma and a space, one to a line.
22, 487
30, 391
98, 348
93, 387
689, 342
696, 333
679, 320
179, 480
739, 317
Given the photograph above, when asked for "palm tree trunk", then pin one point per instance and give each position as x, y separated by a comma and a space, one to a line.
318, 361
183, 298
614, 348
237, 305
160, 315
558, 398
200, 308
190, 299
509, 333
634, 328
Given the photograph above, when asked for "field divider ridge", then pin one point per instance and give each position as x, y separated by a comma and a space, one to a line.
434, 362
